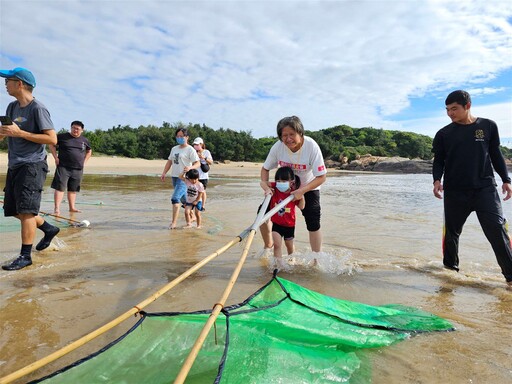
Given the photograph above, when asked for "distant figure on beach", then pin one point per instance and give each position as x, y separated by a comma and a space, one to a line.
303, 155
73, 152
194, 199
206, 159
283, 222
28, 132
465, 153
182, 159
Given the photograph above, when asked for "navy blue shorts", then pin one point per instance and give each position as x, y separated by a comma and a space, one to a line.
23, 187
288, 233
204, 182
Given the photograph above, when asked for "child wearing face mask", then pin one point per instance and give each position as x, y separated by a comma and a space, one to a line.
195, 197
283, 222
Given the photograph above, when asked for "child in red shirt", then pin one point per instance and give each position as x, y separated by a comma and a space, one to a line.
283, 222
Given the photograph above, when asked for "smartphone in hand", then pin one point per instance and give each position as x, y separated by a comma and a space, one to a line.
5, 120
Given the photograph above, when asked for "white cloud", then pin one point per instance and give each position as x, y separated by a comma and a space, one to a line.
501, 113
244, 65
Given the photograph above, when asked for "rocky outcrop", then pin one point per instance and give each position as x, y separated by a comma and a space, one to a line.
398, 164
384, 164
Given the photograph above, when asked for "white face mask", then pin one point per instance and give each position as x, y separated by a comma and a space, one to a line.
282, 186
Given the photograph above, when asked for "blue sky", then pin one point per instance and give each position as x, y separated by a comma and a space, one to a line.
244, 65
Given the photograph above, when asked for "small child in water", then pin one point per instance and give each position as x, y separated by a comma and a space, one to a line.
194, 198
283, 222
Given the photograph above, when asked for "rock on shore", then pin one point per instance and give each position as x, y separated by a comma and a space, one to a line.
388, 164
384, 164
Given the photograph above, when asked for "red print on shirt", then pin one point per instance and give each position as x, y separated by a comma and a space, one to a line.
295, 167
321, 168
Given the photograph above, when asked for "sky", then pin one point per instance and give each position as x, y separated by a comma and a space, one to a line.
244, 65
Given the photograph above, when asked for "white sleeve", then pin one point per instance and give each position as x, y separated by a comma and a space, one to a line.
170, 154
317, 160
193, 155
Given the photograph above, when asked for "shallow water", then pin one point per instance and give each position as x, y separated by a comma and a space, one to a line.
382, 242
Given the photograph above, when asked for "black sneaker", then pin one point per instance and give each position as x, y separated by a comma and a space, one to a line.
18, 263
47, 239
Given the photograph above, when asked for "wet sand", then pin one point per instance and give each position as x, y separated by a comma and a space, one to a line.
126, 166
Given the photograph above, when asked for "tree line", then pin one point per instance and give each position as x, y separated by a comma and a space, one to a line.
152, 142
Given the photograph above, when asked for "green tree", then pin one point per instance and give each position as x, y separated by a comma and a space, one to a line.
152, 142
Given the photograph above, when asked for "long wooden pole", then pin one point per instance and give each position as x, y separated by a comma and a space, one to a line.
78, 343
92, 335
187, 365
59, 217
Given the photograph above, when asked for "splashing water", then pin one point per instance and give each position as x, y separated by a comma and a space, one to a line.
57, 244
336, 262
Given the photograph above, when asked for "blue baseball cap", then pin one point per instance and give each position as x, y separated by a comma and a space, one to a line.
19, 73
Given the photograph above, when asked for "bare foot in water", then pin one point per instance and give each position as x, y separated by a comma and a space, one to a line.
56, 211
199, 227
74, 210
187, 226
313, 263
171, 226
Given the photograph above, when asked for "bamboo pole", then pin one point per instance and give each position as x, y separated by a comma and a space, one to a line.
189, 361
78, 343
59, 217
187, 365
56, 216
260, 218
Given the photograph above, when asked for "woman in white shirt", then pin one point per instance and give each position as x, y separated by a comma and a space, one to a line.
304, 156
181, 159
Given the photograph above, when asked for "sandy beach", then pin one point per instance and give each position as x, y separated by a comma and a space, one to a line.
99, 164
127, 166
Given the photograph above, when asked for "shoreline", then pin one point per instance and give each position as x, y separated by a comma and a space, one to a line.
113, 165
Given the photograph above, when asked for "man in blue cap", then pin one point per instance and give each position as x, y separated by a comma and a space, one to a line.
31, 129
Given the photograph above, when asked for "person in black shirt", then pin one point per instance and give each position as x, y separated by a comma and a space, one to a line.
467, 153
74, 151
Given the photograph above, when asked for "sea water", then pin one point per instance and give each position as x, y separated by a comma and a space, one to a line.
382, 244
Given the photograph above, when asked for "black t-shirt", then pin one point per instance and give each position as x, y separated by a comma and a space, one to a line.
72, 150
466, 154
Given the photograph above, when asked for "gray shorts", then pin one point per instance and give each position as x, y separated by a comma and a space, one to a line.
67, 178
23, 187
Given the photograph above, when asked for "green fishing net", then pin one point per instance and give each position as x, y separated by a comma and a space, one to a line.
283, 333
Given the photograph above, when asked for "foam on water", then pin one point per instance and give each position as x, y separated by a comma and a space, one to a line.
56, 245
335, 262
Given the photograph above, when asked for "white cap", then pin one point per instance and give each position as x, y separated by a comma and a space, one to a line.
198, 140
